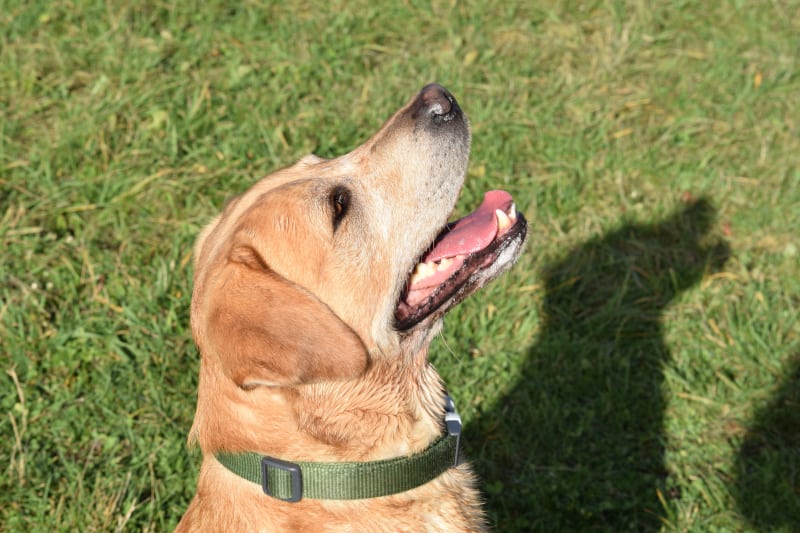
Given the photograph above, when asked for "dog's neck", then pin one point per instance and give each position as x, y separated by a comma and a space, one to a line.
395, 410
356, 420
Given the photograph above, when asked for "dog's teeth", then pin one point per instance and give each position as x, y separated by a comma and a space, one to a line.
444, 264
512, 212
422, 271
503, 221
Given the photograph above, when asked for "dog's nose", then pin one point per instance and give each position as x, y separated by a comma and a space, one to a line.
435, 102
436, 99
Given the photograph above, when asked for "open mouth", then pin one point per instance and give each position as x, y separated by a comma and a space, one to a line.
466, 255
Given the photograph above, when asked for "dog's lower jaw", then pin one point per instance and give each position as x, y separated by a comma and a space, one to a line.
417, 340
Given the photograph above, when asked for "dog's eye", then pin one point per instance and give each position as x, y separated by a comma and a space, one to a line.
340, 203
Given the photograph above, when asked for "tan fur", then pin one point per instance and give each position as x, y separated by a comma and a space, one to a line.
294, 321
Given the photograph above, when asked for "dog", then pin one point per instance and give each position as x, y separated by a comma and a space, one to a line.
316, 295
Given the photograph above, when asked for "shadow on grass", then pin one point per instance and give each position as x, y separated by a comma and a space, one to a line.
577, 443
768, 489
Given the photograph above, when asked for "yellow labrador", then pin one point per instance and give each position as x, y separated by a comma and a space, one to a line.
316, 295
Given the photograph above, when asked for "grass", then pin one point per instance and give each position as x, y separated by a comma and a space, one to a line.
639, 369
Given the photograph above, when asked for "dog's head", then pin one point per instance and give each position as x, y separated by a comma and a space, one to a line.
323, 266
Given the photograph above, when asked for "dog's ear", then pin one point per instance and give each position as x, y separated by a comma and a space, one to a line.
269, 331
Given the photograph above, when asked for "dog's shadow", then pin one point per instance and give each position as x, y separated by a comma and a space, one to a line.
577, 444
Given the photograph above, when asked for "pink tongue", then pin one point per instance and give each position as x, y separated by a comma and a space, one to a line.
473, 232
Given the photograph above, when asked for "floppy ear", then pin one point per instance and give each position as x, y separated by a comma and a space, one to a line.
269, 331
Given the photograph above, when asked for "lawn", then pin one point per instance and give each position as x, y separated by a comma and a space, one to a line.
638, 370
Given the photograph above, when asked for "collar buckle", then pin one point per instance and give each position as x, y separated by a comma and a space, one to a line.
278, 487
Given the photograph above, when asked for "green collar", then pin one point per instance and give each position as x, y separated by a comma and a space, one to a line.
291, 481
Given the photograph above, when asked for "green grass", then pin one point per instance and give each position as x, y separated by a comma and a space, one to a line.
638, 370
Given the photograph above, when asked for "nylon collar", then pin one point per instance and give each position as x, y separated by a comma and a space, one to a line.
292, 481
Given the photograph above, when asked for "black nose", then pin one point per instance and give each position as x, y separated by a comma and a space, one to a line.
436, 99
436, 102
